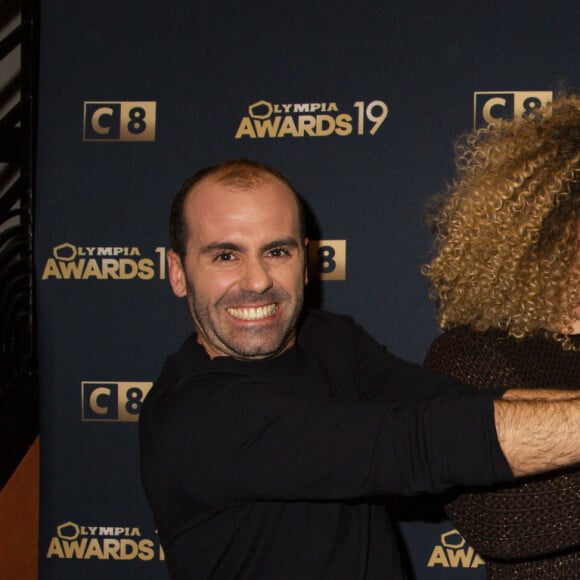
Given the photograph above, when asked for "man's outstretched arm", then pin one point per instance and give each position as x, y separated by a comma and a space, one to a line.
538, 434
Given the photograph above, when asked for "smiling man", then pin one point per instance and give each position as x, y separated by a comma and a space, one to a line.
242, 266
273, 434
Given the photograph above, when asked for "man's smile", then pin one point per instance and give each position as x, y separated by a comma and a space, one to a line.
253, 313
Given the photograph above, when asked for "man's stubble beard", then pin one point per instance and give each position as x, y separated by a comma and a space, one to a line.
201, 314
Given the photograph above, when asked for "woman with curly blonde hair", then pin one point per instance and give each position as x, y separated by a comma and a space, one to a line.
506, 281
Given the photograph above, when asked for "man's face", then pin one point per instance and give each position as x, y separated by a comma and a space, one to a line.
244, 270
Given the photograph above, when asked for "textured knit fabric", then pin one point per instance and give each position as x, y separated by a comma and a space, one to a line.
529, 529
275, 469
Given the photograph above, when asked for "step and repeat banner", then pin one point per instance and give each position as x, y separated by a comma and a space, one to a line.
359, 104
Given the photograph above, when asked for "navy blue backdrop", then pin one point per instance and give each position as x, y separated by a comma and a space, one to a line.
357, 103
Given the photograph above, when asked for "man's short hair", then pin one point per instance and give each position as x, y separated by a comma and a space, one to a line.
240, 173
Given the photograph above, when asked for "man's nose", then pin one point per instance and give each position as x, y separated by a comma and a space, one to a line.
256, 277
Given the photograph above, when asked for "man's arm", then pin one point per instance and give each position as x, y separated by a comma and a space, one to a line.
538, 434
539, 395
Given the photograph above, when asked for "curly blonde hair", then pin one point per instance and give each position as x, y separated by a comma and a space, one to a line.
506, 232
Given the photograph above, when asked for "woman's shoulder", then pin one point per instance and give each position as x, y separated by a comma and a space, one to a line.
477, 358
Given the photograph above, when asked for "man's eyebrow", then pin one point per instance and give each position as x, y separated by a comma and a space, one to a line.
291, 242
219, 246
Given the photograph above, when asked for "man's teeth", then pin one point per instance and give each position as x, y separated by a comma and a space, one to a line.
253, 313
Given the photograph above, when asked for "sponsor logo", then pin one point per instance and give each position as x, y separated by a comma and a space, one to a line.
112, 401
119, 120
70, 262
492, 106
453, 552
265, 120
76, 542
327, 259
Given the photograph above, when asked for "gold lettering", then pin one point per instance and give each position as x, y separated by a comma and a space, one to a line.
74, 268
94, 549
322, 131
343, 124
111, 548
269, 126
92, 269
128, 269
55, 549
438, 558
129, 549
51, 270
288, 127
74, 549
477, 561
110, 268
146, 551
146, 269
245, 129
307, 124
460, 557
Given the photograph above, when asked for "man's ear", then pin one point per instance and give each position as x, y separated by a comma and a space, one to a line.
306, 242
176, 274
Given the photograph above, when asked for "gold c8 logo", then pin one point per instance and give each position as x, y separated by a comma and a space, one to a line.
113, 401
493, 106
327, 259
119, 121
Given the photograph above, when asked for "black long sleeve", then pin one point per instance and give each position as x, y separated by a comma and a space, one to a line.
326, 429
